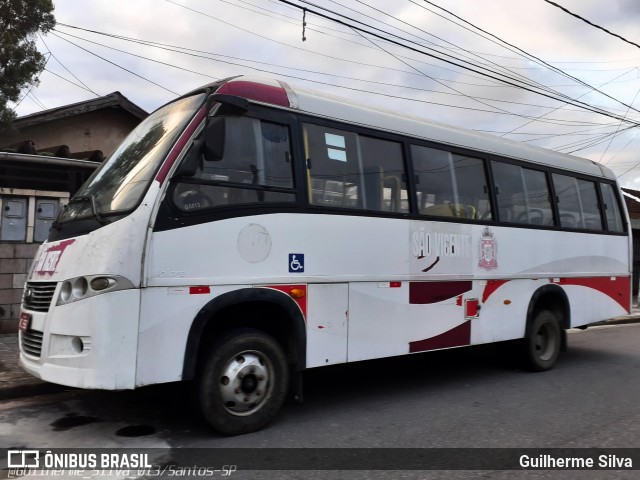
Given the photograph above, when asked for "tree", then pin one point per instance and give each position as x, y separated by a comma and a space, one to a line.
20, 61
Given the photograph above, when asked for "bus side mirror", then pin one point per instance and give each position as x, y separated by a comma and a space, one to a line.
214, 139
190, 163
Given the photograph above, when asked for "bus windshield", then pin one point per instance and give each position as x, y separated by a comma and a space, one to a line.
118, 186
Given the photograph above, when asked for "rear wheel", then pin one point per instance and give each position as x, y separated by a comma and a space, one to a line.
541, 347
243, 382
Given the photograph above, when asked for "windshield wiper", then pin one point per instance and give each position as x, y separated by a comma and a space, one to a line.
94, 209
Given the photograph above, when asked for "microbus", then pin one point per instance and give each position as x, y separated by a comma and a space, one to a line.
251, 230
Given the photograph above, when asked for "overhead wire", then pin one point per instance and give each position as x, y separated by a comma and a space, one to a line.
556, 96
36, 100
558, 108
116, 65
67, 80
529, 55
619, 125
270, 71
84, 85
592, 24
508, 82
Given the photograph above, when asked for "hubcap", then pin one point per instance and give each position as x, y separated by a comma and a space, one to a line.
544, 342
245, 383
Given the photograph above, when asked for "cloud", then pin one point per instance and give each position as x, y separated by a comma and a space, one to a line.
335, 59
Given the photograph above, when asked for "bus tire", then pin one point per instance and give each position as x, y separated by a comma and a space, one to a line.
243, 382
541, 347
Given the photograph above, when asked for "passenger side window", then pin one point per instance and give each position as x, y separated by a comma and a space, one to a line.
577, 203
611, 208
256, 167
450, 185
354, 171
523, 195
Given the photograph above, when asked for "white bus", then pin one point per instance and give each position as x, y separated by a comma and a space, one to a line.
251, 230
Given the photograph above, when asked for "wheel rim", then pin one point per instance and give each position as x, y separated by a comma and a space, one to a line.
245, 383
545, 342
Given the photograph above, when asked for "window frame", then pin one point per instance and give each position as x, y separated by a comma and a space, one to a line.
359, 133
261, 114
301, 200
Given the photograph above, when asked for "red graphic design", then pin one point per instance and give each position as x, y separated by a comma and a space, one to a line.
618, 288
422, 293
488, 249
48, 260
301, 300
456, 337
492, 286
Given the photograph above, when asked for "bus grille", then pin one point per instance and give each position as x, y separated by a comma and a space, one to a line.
38, 296
31, 342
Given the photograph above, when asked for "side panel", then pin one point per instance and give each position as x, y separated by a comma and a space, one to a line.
166, 317
327, 324
406, 284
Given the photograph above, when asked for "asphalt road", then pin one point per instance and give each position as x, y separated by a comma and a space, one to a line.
464, 398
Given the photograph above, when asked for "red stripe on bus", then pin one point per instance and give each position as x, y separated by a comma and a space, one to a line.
301, 301
456, 337
619, 289
491, 287
422, 293
179, 146
256, 91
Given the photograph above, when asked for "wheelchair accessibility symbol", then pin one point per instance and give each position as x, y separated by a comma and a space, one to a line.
296, 262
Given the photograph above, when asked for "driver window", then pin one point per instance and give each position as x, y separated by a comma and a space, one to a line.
256, 168
255, 153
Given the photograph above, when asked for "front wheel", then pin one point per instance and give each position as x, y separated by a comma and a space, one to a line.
243, 382
541, 347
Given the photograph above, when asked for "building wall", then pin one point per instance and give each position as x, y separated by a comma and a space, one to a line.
100, 130
17, 256
15, 261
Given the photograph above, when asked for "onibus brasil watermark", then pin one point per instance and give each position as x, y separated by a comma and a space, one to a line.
88, 465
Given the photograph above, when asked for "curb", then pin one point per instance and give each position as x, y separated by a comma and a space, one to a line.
621, 320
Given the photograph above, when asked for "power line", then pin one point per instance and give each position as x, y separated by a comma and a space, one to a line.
591, 23
67, 80
84, 85
539, 60
115, 64
539, 118
36, 100
206, 56
573, 102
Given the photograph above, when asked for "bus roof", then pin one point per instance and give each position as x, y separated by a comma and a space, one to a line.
279, 93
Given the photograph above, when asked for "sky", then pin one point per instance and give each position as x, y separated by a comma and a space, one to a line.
525, 70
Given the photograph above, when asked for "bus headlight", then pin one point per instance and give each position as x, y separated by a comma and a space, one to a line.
79, 288
65, 292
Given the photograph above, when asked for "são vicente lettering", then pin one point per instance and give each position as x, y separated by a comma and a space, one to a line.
435, 244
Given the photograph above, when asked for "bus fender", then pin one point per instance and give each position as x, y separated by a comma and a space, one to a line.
237, 297
551, 297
